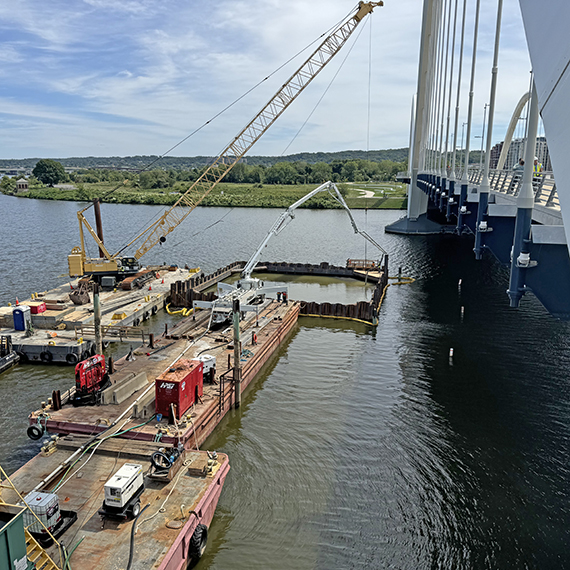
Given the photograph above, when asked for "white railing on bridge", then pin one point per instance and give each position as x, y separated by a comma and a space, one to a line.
509, 182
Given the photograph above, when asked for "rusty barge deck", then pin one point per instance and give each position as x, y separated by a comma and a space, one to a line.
132, 394
165, 528
274, 323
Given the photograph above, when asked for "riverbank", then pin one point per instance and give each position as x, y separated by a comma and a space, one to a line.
382, 195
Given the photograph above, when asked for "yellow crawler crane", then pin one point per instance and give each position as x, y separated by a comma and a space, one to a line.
80, 264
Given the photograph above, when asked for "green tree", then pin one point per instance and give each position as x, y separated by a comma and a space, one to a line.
320, 172
155, 179
8, 185
282, 173
49, 171
254, 175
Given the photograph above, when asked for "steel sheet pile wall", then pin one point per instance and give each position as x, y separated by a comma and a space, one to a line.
323, 268
363, 310
182, 293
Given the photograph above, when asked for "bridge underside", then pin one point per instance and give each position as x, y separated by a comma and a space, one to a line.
453, 209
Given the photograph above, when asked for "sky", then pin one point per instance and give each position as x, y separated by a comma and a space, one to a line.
136, 77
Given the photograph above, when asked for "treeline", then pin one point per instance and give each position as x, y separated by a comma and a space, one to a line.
281, 173
135, 163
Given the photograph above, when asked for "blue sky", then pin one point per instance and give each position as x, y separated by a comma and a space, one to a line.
127, 77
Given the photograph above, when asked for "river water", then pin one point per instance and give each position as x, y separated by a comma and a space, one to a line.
357, 447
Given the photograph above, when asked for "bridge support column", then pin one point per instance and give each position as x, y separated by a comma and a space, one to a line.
482, 216
418, 200
450, 198
437, 190
462, 206
484, 187
520, 261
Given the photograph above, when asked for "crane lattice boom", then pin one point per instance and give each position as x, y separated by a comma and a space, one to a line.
252, 132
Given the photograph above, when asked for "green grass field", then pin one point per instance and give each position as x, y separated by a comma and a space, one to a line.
365, 195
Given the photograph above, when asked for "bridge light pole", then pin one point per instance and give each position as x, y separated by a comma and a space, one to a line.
462, 147
482, 137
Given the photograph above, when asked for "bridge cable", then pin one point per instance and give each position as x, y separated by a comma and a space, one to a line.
457, 103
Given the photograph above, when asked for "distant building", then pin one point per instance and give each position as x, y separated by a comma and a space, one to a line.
517, 150
22, 185
494, 155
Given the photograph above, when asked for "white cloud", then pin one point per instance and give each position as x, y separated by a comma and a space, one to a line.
136, 76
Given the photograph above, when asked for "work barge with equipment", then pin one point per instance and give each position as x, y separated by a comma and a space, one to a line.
121, 480
231, 357
137, 420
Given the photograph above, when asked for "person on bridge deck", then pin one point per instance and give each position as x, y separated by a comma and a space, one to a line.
537, 167
519, 166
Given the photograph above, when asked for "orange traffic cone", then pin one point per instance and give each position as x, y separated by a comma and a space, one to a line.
163, 280
150, 288
17, 302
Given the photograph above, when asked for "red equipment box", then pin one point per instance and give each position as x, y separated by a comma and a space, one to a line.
181, 386
37, 308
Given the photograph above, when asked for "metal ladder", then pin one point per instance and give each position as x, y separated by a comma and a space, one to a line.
35, 553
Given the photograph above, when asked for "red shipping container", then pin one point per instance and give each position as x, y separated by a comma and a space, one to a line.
181, 386
37, 308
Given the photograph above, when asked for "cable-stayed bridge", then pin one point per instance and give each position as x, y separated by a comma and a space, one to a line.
518, 214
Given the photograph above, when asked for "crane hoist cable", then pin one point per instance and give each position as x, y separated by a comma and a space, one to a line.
235, 150
324, 93
222, 111
251, 133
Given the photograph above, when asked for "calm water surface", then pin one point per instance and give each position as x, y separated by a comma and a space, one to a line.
357, 448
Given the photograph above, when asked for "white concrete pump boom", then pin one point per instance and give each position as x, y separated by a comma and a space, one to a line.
230, 156
288, 215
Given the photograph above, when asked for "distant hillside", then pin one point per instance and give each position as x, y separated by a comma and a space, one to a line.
186, 163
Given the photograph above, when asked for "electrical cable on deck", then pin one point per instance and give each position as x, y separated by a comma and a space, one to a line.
133, 532
97, 443
66, 563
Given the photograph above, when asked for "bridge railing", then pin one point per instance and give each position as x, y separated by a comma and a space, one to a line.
509, 182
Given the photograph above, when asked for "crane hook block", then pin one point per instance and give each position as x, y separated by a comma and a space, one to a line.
364, 8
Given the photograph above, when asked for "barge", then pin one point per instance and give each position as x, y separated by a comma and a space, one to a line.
51, 328
169, 533
133, 383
